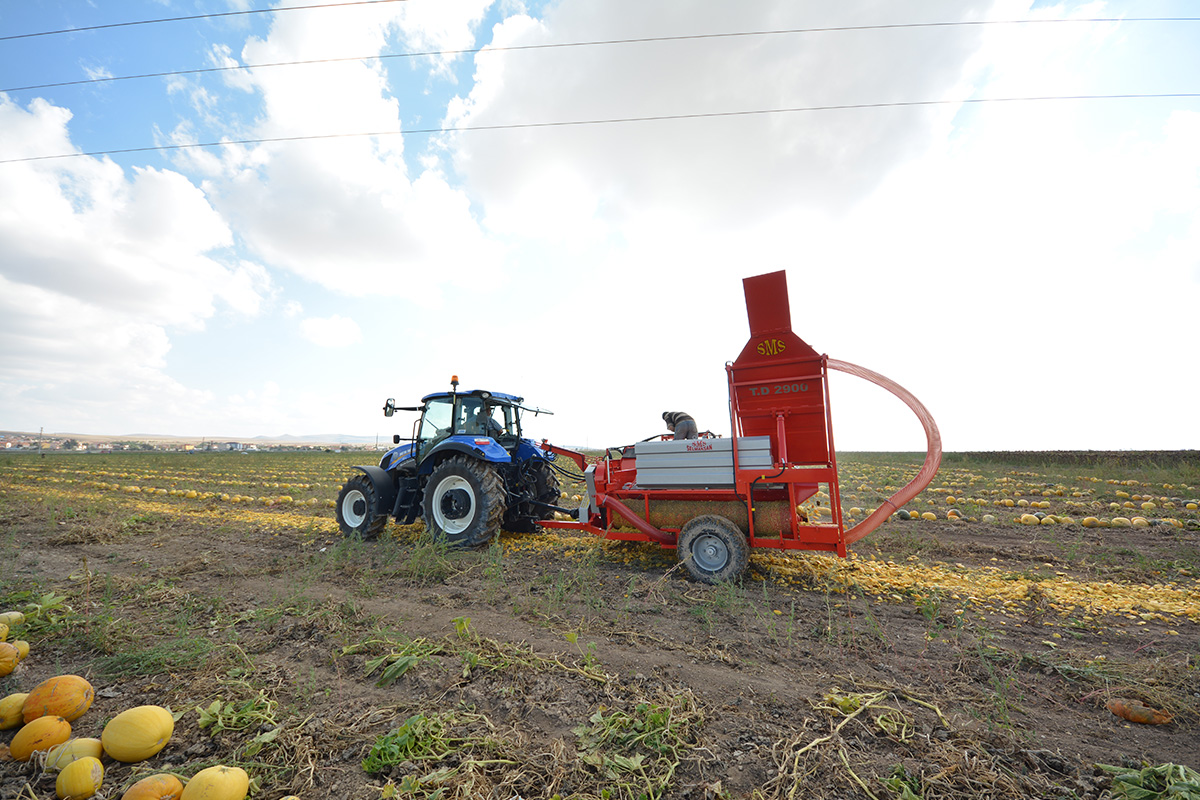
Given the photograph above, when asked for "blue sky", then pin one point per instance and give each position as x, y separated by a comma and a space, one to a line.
1029, 270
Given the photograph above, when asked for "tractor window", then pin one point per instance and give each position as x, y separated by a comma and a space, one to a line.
511, 421
478, 418
435, 423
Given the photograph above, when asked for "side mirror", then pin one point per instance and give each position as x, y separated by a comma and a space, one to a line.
395, 438
389, 408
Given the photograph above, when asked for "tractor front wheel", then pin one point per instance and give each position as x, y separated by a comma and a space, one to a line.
356, 509
464, 502
713, 549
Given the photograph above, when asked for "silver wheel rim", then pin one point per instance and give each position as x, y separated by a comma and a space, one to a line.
351, 499
453, 525
710, 553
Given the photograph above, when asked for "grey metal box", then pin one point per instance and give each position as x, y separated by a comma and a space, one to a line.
697, 463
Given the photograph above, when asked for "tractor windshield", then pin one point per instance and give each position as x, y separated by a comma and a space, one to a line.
436, 421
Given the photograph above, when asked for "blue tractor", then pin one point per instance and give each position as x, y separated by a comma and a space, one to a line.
466, 470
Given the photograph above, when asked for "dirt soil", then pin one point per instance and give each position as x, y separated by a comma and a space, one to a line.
985, 703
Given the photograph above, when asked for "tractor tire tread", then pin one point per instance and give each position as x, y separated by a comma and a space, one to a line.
491, 501
372, 526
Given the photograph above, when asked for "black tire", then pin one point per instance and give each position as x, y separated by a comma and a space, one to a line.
464, 502
356, 512
523, 518
713, 549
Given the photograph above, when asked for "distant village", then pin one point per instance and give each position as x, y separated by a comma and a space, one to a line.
26, 442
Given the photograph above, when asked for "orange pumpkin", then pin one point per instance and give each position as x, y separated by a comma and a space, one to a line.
66, 696
155, 787
41, 734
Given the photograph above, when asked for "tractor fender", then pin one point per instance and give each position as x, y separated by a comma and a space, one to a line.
483, 448
385, 488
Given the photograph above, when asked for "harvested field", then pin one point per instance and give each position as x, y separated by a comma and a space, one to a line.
947, 658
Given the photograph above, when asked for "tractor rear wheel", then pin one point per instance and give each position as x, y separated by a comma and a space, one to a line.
356, 509
543, 484
713, 549
464, 502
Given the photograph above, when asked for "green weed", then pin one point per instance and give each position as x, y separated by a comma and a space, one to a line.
229, 715
639, 751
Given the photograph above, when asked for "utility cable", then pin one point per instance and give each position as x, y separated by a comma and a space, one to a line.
193, 17
558, 45
609, 121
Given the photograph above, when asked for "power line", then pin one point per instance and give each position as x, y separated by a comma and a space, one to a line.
553, 45
609, 121
194, 17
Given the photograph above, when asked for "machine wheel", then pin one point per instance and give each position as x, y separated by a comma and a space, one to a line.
356, 509
713, 549
464, 501
545, 489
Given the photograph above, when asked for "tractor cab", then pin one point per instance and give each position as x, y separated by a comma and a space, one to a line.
479, 423
476, 414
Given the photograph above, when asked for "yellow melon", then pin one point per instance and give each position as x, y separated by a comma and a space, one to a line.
217, 783
41, 734
138, 733
9, 656
66, 696
72, 750
10, 711
80, 779
155, 787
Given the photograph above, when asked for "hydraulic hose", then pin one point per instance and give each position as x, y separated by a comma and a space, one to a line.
933, 452
662, 537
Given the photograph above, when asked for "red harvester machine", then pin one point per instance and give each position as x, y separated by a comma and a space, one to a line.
773, 483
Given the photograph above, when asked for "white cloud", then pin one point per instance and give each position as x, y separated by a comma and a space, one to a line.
335, 331
345, 213
70, 365
98, 266
728, 171
97, 73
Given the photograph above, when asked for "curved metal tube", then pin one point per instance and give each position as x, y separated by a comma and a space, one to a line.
933, 454
662, 537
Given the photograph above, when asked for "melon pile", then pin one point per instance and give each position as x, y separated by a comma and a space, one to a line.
43, 717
